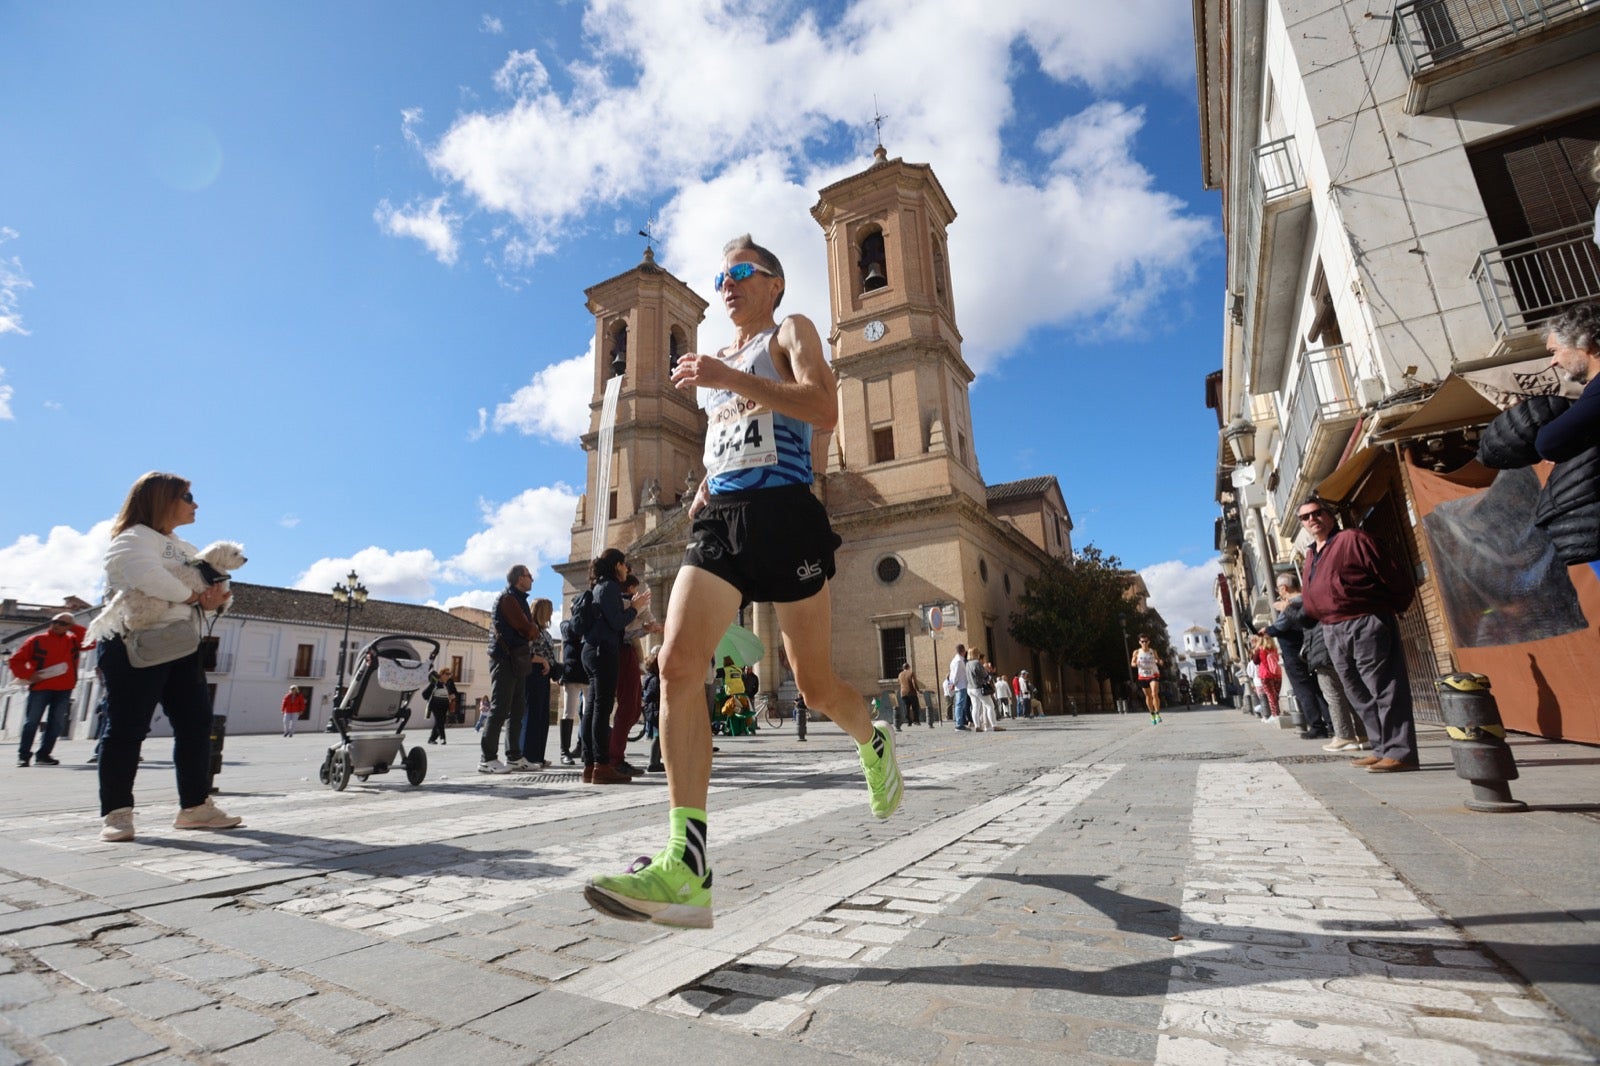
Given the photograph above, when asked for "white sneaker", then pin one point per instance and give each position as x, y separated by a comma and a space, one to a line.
491, 766
521, 766
119, 825
206, 816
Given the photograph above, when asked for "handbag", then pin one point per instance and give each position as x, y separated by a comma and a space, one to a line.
162, 644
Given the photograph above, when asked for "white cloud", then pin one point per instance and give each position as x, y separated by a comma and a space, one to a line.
490, 24
533, 528
387, 575
6, 392
289, 521
429, 222
649, 111
554, 405
66, 563
483, 599
13, 282
1185, 595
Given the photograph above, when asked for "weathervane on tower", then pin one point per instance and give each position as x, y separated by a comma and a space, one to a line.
878, 118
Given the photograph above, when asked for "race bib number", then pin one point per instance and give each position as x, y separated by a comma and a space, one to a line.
739, 436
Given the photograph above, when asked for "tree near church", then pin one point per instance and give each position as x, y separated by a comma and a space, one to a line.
1078, 610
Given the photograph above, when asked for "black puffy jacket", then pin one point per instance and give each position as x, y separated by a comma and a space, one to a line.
1507, 442
1569, 504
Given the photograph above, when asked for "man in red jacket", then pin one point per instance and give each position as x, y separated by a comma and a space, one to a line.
1355, 589
48, 662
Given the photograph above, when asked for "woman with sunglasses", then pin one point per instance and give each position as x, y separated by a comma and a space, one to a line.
758, 535
145, 555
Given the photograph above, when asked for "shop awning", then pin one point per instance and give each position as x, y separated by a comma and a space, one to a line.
1453, 405
1340, 485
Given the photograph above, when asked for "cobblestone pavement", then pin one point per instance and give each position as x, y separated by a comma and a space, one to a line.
1211, 890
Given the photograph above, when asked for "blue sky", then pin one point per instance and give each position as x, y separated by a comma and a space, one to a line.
328, 262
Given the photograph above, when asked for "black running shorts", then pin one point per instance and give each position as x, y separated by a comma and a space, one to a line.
773, 545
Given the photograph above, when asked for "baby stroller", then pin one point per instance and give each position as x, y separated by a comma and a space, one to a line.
372, 714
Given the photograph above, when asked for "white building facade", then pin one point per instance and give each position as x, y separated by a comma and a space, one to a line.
273, 639
1408, 194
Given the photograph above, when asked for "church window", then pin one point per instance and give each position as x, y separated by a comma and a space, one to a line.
941, 287
889, 569
872, 261
677, 347
611, 510
619, 349
983, 571
891, 650
1007, 582
883, 444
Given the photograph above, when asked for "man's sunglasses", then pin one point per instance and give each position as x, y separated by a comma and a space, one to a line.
187, 497
1309, 515
739, 272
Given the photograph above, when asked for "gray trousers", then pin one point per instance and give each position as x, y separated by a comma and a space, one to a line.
507, 701
1371, 664
1345, 725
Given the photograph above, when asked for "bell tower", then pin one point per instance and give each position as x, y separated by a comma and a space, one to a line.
905, 426
644, 320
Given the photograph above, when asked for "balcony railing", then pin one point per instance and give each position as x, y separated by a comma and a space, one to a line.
1525, 282
1322, 397
1431, 32
1279, 202
315, 668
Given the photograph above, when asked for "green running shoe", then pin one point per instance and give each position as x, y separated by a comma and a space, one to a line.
666, 892
883, 775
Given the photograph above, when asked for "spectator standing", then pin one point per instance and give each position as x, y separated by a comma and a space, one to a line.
440, 697
1003, 696
1356, 589
956, 681
48, 663
510, 663
602, 660
1022, 688
650, 703
574, 691
630, 695
980, 690
293, 706
1269, 671
144, 555
1288, 630
910, 705
536, 693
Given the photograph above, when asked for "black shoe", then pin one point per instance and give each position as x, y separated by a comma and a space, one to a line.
567, 760
655, 769
625, 767
23, 760
46, 760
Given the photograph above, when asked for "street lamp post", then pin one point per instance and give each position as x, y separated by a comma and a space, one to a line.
1131, 688
353, 595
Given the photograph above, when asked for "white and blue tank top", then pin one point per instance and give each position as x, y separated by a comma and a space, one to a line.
749, 445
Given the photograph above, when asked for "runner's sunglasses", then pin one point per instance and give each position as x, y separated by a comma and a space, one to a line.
739, 272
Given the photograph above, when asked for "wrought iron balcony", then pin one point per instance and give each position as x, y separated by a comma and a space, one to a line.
1279, 213
1525, 282
1316, 412
1455, 48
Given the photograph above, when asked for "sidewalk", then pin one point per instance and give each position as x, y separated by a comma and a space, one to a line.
1094, 889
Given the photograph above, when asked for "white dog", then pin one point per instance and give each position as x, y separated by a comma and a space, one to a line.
131, 609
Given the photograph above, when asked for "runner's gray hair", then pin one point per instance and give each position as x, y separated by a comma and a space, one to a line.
1578, 327
745, 243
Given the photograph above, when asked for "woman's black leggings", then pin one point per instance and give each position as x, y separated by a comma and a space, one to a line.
602, 665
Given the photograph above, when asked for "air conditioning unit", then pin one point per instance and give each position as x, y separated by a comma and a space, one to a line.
1369, 391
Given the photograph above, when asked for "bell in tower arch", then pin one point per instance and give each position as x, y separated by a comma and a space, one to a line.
873, 275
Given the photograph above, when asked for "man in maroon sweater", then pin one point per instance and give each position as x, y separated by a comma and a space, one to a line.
1355, 590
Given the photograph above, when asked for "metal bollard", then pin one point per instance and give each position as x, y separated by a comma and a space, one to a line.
1478, 742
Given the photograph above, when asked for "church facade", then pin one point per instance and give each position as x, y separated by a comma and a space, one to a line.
932, 555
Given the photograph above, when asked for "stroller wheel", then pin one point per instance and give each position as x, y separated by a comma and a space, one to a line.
416, 765
323, 772
340, 771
